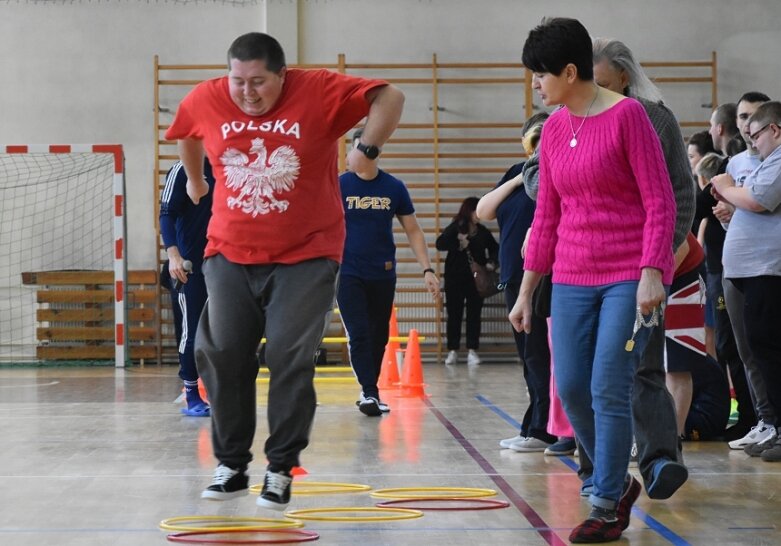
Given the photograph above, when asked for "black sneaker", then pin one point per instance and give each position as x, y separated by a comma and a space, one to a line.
228, 483
371, 406
276, 491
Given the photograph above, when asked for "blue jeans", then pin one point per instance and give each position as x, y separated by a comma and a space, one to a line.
591, 325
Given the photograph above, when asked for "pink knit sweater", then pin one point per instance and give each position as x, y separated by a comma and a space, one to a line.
605, 208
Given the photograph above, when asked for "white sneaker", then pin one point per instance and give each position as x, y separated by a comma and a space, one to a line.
472, 359
371, 406
507, 442
452, 358
756, 435
634, 456
528, 445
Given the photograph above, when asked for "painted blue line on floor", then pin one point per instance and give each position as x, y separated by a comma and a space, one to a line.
665, 532
569, 462
656, 525
498, 411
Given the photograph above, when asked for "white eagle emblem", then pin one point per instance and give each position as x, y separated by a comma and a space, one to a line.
261, 179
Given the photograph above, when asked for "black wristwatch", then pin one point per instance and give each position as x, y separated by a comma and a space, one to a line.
371, 151
428, 270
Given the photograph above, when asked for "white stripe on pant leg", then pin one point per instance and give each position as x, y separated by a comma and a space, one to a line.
183, 307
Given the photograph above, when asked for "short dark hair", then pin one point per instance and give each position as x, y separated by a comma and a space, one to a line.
725, 116
703, 142
753, 96
557, 42
770, 112
257, 46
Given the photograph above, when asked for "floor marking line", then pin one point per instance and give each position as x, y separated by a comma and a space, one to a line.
526, 510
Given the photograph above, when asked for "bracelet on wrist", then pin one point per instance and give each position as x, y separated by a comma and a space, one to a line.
428, 270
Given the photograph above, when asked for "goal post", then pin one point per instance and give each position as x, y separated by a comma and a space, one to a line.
63, 253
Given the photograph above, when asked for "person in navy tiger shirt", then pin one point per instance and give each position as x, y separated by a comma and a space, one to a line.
367, 280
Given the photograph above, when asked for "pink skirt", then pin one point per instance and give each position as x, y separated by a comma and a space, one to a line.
558, 424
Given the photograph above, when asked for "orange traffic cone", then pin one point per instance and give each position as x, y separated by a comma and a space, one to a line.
412, 372
393, 331
393, 327
389, 373
202, 391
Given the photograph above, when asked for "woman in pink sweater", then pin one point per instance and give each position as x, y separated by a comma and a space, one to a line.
604, 227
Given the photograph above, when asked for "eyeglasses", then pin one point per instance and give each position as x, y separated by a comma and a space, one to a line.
753, 137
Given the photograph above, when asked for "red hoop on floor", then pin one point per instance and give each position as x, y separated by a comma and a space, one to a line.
415, 504
291, 536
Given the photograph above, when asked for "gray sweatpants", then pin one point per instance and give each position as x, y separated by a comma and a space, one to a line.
289, 304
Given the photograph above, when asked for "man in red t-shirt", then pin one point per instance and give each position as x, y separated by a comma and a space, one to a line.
276, 238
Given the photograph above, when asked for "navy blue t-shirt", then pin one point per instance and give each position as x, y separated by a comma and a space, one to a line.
182, 223
369, 209
514, 216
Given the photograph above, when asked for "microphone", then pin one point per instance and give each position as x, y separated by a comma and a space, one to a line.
187, 265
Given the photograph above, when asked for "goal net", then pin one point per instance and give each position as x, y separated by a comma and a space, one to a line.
62, 255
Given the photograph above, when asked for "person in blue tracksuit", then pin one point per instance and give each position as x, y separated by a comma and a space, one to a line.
183, 228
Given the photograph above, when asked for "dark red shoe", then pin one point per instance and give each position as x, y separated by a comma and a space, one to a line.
628, 498
595, 530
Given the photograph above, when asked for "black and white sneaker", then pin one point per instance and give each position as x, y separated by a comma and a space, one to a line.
276, 491
228, 483
371, 406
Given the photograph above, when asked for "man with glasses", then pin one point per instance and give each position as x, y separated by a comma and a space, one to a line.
752, 257
739, 167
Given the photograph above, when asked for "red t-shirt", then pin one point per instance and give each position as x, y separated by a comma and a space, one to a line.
277, 197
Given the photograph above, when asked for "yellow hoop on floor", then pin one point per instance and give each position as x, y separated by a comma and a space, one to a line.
240, 523
318, 488
392, 514
433, 493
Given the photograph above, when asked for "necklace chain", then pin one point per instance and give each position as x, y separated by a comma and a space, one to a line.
574, 141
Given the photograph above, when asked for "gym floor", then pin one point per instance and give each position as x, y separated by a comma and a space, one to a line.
99, 456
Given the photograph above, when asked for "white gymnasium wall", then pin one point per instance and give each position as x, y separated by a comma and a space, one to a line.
744, 35
82, 71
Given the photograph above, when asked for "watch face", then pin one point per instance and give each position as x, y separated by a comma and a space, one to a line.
370, 151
